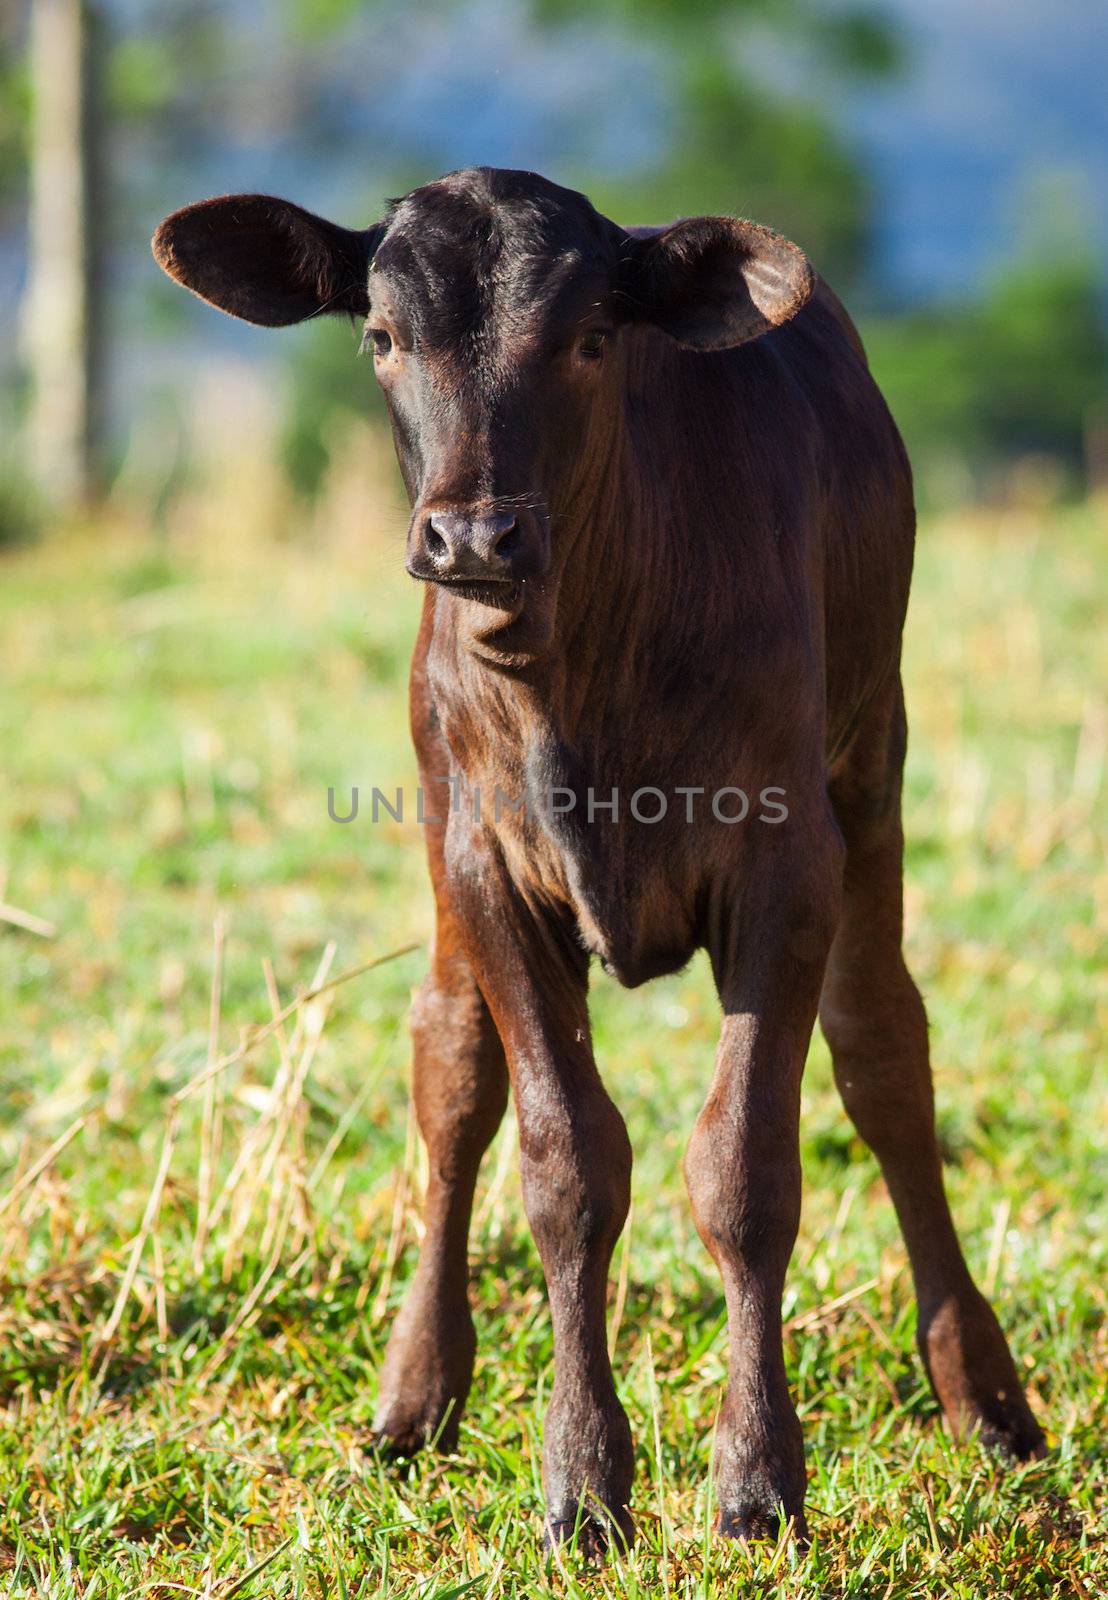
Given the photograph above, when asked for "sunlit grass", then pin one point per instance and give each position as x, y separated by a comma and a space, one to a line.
171, 718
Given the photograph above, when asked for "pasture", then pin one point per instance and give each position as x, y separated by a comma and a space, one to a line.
172, 715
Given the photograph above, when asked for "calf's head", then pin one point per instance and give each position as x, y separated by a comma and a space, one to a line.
496, 305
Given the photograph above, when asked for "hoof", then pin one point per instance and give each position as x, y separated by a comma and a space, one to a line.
593, 1534
760, 1523
975, 1378
760, 1478
1009, 1430
399, 1432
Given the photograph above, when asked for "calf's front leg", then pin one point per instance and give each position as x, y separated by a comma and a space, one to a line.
460, 1091
742, 1168
575, 1167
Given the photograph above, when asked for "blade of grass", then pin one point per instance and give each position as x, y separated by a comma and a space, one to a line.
48, 1156
267, 1029
212, 1114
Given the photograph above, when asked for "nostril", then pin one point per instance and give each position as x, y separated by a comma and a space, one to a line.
508, 542
436, 544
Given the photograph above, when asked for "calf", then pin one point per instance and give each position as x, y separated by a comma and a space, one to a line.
665, 523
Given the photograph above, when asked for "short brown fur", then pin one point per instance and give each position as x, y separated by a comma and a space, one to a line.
666, 523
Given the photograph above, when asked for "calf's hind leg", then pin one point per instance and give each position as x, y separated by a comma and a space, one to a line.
874, 1021
460, 1089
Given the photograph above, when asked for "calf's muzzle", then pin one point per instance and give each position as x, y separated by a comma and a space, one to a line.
464, 546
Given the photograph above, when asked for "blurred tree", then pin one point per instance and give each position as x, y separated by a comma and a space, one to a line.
63, 304
739, 143
1023, 371
737, 148
1040, 354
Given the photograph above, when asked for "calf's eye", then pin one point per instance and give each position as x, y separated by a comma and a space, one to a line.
592, 344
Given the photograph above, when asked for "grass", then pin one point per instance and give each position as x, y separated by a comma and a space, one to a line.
172, 717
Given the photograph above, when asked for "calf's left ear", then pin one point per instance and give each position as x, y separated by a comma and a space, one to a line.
715, 282
266, 260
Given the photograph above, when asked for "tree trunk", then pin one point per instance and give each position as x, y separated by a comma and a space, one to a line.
63, 305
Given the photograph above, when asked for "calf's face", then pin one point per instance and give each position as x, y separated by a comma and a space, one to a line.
495, 306
492, 321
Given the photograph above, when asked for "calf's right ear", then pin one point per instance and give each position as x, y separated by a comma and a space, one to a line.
265, 260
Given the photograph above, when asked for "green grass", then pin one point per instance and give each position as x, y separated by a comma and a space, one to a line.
171, 718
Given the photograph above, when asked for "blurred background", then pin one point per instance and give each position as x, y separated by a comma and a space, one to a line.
944, 164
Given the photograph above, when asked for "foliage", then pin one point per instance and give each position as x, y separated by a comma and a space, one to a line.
14, 112
331, 387
737, 148
1041, 353
20, 511
739, 145
173, 717
1022, 371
